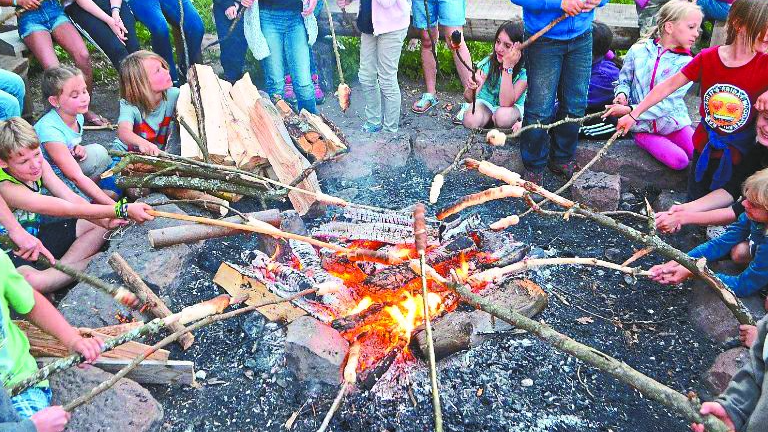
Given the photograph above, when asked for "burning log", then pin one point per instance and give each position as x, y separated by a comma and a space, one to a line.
190, 233
360, 319
359, 214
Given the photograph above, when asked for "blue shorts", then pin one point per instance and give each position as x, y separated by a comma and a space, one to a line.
31, 400
46, 18
448, 13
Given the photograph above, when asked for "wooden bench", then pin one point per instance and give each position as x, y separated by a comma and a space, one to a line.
485, 16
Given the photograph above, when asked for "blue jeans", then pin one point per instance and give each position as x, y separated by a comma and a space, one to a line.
287, 37
559, 68
153, 14
714, 9
234, 47
11, 95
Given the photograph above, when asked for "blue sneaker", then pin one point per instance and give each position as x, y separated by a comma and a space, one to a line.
371, 128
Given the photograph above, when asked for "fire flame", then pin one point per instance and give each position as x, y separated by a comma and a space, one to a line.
414, 311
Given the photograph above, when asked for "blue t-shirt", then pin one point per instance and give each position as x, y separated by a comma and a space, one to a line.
51, 128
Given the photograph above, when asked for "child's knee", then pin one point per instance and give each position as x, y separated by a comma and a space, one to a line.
740, 253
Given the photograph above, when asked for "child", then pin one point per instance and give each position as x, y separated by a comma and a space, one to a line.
732, 82
501, 83
233, 44
743, 406
665, 130
383, 26
28, 246
605, 73
721, 206
16, 363
60, 132
558, 64
148, 103
288, 92
23, 174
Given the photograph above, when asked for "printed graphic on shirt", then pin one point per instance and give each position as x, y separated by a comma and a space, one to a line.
726, 107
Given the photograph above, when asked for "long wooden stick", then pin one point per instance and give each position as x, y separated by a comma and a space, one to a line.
495, 273
541, 32
120, 294
649, 387
350, 378
335, 44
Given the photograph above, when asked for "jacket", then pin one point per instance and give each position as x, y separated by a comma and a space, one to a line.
745, 400
538, 13
646, 65
390, 15
256, 41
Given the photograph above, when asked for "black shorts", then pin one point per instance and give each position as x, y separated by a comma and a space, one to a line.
57, 237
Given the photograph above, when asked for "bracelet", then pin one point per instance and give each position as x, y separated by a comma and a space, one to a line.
121, 209
15, 3
631, 108
113, 8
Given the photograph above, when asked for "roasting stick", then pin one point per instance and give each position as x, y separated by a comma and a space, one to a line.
343, 92
260, 227
350, 378
420, 234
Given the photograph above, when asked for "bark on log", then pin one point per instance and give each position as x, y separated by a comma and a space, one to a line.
145, 293
646, 385
211, 186
191, 233
200, 199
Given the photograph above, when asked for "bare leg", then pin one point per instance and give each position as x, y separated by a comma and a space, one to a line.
463, 51
506, 117
740, 253
479, 119
41, 46
428, 60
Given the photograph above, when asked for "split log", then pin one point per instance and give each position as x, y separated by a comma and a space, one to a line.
200, 199
459, 330
276, 144
211, 186
213, 117
245, 150
334, 140
191, 233
185, 112
307, 138
157, 306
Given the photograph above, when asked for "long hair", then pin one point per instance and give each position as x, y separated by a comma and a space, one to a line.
672, 11
134, 82
749, 15
53, 81
516, 33
755, 188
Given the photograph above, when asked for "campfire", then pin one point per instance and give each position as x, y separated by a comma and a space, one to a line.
376, 306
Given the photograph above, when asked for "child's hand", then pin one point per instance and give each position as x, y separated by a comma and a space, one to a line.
90, 348
50, 419
625, 124
231, 12
138, 212
111, 224
30, 247
477, 80
670, 273
571, 7
29, 4
148, 148
589, 5
716, 410
616, 110
117, 27
309, 7
343, 3
516, 127
762, 102
670, 222
78, 152
246, 3
512, 56
621, 99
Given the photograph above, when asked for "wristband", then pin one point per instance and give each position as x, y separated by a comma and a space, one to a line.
631, 108
121, 209
113, 8
15, 3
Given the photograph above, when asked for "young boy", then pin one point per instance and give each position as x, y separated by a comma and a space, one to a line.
743, 406
16, 363
23, 174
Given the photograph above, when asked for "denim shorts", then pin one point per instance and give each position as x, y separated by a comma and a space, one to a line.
449, 13
46, 18
31, 401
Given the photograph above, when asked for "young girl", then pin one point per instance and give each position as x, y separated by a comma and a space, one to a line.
732, 79
148, 103
664, 130
60, 132
501, 83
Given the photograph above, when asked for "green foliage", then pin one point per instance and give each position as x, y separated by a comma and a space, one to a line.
623, 1
205, 9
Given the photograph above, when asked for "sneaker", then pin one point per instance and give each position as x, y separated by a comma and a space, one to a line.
565, 169
427, 101
288, 93
534, 176
319, 95
371, 128
458, 119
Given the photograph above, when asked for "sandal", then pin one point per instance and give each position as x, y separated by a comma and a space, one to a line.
424, 104
458, 119
93, 119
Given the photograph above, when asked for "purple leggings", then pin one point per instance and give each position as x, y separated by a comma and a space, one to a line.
674, 150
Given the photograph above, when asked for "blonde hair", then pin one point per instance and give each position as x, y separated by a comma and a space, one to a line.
54, 79
134, 82
756, 188
749, 15
672, 11
16, 134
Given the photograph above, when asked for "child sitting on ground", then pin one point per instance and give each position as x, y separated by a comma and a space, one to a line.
745, 241
733, 89
664, 130
17, 364
500, 84
23, 174
743, 406
605, 73
148, 103
60, 132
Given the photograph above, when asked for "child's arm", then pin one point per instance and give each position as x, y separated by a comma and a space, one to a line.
133, 141
753, 278
69, 167
509, 91
29, 246
656, 95
671, 222
116, 26
50, 320
721, 246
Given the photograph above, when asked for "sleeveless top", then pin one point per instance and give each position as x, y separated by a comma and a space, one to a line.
28, 220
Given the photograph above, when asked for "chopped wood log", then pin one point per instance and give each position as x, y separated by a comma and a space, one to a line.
459, 331
246, 152
170, 372
276, 144
157, 306
334, 141
201, 199
185, 112
212, 186
191, 233
212, 112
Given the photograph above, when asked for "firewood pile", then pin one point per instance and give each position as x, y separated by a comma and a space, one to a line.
235, 142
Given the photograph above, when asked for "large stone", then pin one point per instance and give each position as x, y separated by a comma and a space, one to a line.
710, 315
667, 199
85, 306
126, 406
315, 351
724, 368
598, 190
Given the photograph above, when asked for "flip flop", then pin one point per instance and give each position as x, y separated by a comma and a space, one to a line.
426, 103
96, 120
459, 117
